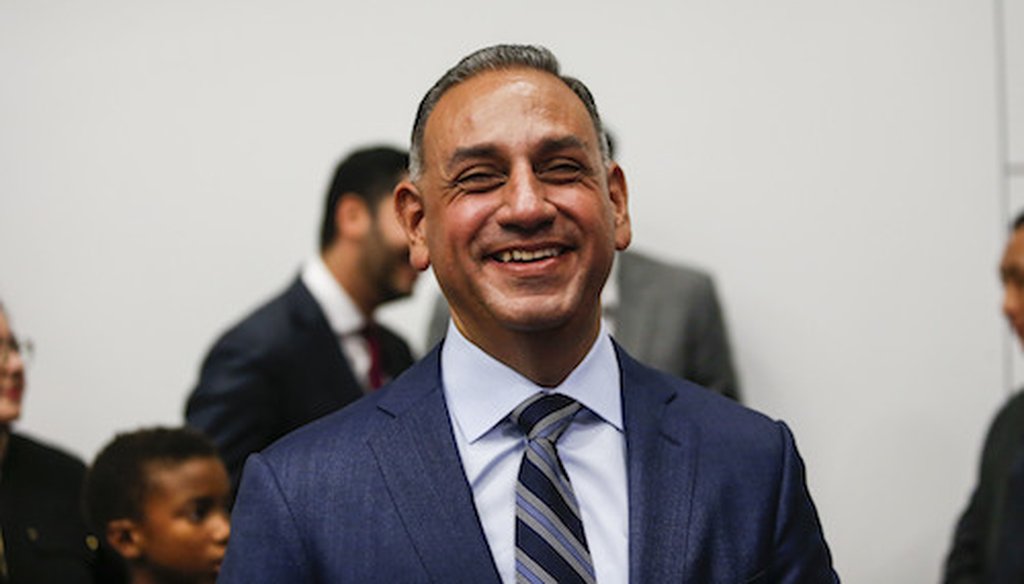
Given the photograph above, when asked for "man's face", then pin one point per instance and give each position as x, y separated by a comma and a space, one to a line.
185, 526
1011, 271
385, 258
12, 374
516, 210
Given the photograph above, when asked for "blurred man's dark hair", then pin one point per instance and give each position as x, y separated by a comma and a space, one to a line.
370, 174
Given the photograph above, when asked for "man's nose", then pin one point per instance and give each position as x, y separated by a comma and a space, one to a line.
526, 204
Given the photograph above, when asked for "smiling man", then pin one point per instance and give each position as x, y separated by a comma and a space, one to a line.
528, 447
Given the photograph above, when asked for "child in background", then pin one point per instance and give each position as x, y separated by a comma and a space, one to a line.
160, 496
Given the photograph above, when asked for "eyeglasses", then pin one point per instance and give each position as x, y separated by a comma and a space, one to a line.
11, 345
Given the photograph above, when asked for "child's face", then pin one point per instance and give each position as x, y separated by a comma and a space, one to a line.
185, 525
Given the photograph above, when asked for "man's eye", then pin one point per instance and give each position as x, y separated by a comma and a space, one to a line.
478, 182
562, 172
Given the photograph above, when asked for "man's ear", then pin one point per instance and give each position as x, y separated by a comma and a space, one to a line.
619, 195
123, 535
352, 217
410, 212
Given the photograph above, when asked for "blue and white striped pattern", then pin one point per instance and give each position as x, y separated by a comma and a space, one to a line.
551, 547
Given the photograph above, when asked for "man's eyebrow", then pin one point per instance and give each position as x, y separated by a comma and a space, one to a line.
553, 145
471, 152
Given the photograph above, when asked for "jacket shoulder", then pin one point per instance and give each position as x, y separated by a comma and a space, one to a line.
275, 314
55, 460
694, 407
1006, 431
1012, 412
45, 473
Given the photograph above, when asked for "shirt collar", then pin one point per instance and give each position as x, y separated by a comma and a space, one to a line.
341, 313
481, 391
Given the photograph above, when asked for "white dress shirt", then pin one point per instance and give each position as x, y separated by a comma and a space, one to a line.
342, 315
481, 392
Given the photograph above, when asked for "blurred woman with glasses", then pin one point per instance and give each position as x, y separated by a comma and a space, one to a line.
13, 356
43, 537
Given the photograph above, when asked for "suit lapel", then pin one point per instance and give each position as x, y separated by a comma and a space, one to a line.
320, 346
419, 460
662, 472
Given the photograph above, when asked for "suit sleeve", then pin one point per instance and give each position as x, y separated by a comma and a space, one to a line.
801, 554
709, 356
234, 401
266, 544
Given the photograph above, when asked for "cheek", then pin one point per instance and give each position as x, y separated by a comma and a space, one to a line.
459, 223
188, 543
588, 210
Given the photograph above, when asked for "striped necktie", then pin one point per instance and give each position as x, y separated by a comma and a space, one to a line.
550, 544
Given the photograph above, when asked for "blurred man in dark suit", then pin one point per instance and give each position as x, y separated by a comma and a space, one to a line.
988, 545
315, 347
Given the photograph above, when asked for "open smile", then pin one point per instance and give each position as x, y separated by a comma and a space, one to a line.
526, 256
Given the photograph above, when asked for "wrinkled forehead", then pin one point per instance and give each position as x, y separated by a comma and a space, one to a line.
497, 105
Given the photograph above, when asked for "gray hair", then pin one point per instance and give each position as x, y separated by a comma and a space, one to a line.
497, 58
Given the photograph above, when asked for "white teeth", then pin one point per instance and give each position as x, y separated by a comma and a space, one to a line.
518, 255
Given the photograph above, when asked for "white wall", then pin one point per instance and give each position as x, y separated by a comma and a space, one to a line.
837, 165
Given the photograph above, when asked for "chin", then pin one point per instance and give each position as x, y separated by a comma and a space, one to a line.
9, 413
534, 318
401, 286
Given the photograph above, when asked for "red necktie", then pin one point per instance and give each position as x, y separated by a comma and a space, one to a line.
376, 374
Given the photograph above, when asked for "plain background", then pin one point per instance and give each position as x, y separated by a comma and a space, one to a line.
841, 167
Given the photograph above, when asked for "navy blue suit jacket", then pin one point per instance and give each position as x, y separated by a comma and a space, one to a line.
277, 369
377, 493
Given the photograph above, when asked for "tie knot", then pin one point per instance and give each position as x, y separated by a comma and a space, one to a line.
370, 330
545, 416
